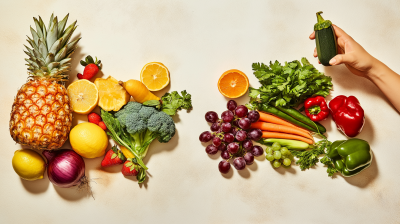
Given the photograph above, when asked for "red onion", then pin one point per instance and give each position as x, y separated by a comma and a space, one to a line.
65, 168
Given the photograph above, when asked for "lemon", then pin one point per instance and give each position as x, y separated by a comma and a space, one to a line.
112, 95
83, 95
155, 76
88, 140
28, 164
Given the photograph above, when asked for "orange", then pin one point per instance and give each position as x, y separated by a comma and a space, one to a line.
83, 95
155, 76
233, 83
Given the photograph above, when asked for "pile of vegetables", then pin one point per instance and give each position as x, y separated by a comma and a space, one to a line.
136, 125
285, 87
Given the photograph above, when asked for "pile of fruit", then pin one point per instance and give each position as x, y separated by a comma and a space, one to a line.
233, 136
43, 109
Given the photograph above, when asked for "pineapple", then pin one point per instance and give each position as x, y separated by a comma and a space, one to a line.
41, 114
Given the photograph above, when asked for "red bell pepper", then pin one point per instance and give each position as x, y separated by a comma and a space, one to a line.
316, 108
347, 114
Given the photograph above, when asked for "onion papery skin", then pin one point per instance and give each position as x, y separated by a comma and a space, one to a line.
65, 167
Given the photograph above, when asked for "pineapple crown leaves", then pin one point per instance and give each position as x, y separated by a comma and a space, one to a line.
49, 52
89, 60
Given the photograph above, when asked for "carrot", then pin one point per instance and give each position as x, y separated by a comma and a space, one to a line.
268, 134
264, 126
276, 120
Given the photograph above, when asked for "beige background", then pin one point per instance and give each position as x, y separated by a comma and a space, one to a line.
198, 41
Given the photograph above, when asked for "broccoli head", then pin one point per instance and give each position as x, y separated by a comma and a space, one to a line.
162, 124
144, 124
134, 124
129, 108
146, 112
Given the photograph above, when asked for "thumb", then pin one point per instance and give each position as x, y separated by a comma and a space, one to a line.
341, 58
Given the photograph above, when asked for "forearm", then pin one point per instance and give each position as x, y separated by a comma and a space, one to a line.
387, 81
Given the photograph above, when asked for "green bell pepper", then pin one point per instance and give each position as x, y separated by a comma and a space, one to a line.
351, 156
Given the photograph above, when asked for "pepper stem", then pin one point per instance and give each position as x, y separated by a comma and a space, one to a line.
314, 110
319, 17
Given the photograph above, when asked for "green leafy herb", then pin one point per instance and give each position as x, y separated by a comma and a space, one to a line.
289, 84
331, 168
172, 102
308, 159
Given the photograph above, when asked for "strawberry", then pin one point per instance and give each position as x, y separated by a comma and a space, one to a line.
113, 157
103, 125
91, 68
94, 118
129, 168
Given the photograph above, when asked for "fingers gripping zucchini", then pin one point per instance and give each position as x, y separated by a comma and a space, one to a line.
325, 40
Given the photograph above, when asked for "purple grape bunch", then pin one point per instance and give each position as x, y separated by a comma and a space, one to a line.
233, 135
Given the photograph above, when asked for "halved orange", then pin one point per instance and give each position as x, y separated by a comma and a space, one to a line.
83, 95
233, 83
155, 76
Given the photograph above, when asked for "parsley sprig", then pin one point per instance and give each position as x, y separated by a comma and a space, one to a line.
308, 159
170, 103
331, 168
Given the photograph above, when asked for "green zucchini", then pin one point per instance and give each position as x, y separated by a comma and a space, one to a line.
272, 110
288, 143
302, 118
325, 40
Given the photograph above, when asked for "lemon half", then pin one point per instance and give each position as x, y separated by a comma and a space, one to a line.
83, 95
155, 76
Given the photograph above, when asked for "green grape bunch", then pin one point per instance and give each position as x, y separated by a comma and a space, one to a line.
278, 155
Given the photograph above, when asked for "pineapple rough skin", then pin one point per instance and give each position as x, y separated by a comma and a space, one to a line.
41, 116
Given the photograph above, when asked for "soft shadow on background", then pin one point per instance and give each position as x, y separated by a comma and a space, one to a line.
365, 177
36, 186
157, 147
347, 80
76, 67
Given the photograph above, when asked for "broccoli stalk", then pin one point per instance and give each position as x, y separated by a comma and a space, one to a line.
136, 126
121, 136
142, 142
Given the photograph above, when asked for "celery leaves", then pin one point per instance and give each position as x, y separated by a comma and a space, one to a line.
289, 84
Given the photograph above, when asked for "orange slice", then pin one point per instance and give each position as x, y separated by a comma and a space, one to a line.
83, 95
233, 83
112, 96
155, 76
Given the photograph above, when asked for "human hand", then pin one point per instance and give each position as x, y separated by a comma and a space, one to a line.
352, 54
